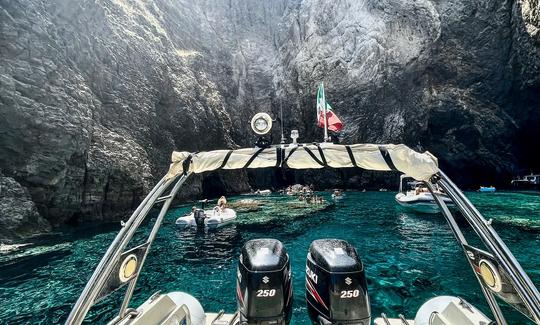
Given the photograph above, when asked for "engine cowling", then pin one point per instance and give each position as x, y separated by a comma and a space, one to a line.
264, 287
336, 288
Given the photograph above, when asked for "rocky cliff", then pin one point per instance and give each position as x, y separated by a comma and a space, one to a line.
94, 95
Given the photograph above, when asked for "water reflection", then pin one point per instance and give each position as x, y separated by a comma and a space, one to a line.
201, 245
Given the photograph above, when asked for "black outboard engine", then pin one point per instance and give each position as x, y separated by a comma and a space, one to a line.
199, 216
263, 284
336, 288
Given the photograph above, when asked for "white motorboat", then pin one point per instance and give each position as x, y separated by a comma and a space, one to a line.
487, 189
258, 192
336, 289
338, 195
263, 192
418, 198
528, 182
214, 218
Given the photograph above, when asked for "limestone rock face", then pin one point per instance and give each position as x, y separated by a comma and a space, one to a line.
95, 95
19, 217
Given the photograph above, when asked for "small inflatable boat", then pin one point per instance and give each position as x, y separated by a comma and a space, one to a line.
200, 218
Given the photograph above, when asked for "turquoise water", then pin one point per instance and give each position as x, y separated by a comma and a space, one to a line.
409, 258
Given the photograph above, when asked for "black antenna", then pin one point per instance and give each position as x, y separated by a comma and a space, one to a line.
283, 139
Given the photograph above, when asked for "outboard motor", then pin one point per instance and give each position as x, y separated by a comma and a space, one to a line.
336, 288
263, 284
199, 216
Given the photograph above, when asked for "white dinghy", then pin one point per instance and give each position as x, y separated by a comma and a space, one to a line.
335, 281
213, 218
418, 198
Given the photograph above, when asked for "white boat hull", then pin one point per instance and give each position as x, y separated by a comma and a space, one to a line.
487, 189
182, 308
338, 197
214, 219
422, 202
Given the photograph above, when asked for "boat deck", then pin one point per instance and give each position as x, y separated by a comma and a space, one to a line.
232, 319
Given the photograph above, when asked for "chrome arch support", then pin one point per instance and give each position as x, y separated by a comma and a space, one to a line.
119, 244
521, 281
490, 298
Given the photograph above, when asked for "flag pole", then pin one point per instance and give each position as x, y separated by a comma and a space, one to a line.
325, 116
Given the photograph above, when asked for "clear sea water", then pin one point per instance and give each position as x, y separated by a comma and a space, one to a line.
409, 257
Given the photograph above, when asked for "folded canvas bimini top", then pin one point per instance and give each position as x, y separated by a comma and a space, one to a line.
388, 157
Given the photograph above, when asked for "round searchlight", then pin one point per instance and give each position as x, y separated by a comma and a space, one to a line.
261, 123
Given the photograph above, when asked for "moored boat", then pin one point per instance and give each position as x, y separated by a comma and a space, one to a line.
487, 189
214, 218
416, 196
259, 192
528, 182
217, 217
263, 192
338, 194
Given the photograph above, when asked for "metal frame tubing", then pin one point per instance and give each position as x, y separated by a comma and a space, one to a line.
151, 237
104, 268
490, 298
522, 283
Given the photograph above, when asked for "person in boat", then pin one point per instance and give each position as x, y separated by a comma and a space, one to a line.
222, 204
420, 189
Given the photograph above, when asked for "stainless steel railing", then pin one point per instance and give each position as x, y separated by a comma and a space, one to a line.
493, 305
522, 283
107, 263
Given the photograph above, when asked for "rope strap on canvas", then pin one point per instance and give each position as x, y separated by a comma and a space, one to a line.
351, 156
226, 159
279, 156
313, 156
386, 156
321, 152
253, 157
284, 164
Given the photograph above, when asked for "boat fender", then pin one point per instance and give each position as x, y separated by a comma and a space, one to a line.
196, 311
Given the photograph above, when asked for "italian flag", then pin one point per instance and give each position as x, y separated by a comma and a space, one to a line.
333, 123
